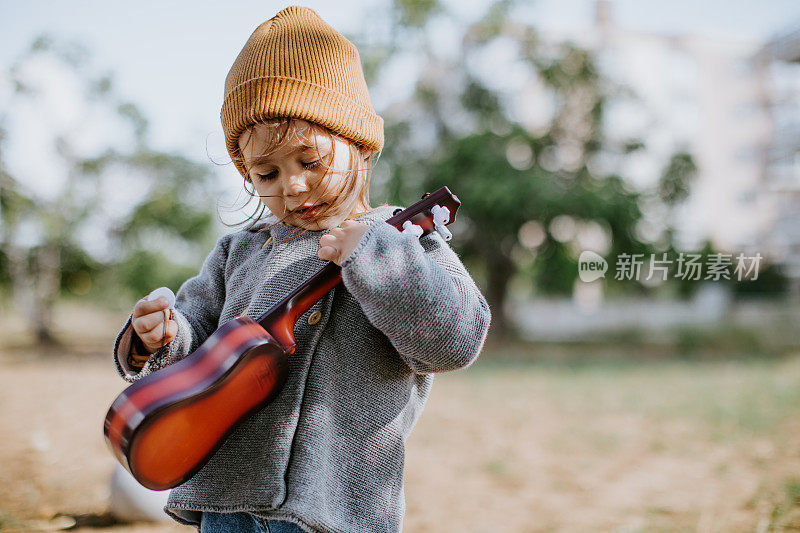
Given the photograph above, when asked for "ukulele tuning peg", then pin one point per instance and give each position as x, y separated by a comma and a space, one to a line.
441, 217
397, 211
426, 195
413, 229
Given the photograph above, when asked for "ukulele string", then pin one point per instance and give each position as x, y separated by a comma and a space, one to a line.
167, 316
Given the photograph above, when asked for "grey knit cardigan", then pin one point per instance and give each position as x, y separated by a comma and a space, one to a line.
327, 453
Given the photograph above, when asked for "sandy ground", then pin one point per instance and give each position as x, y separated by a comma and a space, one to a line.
516, 448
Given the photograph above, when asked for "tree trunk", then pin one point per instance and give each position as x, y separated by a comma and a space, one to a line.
35, 282
47, 285
500, 270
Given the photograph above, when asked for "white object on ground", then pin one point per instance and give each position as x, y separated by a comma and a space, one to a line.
132, 502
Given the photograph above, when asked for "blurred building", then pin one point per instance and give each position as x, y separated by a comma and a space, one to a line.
696, 93
734, 105
778, 62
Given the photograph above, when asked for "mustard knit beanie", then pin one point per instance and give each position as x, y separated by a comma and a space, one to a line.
296, 65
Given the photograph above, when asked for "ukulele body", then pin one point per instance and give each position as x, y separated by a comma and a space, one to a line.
165, 426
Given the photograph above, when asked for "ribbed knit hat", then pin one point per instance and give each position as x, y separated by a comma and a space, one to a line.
296, 65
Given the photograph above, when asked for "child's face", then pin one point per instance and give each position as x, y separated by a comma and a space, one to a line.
289, 179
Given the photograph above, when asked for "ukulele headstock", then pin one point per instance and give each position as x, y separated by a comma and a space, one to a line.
432, 213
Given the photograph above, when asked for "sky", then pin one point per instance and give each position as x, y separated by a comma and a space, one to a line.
171, 58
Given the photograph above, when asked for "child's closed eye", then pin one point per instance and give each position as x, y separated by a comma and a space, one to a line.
265, 177
272, 175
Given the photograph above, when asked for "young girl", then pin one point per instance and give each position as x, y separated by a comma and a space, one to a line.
327, 454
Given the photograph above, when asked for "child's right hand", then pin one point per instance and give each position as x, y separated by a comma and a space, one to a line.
148, 323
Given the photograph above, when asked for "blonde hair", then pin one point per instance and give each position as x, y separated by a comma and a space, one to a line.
354, 189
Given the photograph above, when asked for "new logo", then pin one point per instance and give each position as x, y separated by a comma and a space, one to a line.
591, 266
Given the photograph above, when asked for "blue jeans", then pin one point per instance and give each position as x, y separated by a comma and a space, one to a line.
243, 523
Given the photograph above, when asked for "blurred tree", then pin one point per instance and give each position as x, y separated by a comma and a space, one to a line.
674, 187
672, 190
64, 225
415, 13
529, 193
677, 178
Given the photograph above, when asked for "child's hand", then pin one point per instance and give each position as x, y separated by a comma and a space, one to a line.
148, 323
340, 242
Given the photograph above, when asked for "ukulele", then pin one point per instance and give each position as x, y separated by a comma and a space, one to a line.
165, 426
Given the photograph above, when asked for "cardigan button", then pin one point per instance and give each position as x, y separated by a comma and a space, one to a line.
314, 317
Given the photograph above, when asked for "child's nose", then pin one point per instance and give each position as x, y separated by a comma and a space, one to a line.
296, 184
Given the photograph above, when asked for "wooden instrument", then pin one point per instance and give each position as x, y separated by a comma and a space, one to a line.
165, 426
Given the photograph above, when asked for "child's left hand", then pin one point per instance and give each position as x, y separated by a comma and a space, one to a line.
340, 242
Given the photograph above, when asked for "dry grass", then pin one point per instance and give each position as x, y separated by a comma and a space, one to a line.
518, 447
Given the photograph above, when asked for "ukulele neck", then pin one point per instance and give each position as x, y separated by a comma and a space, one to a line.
280, 320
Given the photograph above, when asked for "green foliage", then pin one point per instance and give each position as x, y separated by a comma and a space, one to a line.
480, 100
5, 275
498, 199
685, 287
771, 281
676, 179
143, 270
171, 224
13, 202
571, 67
79, 270
415, 13
508, 176
132, 113
491, 25
728, 340
632, 145
172, 205
785, 516
553, 262
373, 58
500, 188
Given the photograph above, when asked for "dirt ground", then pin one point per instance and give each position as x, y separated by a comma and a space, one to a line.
500, 447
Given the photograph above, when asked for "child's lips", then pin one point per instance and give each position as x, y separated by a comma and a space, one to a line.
309, 212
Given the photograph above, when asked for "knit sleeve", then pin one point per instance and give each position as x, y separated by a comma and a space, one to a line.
198, 305
418, 293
